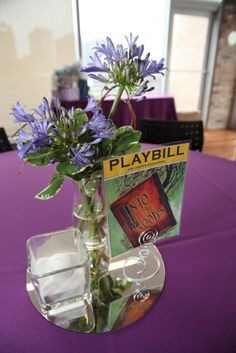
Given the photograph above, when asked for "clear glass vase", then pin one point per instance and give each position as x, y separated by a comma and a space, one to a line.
89, 216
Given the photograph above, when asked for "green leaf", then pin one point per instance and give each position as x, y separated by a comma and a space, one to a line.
41, 157
52, 189
72, 171
123, 143
67, 169
123, 130
106, 147
134, 147
80, 118
128, 148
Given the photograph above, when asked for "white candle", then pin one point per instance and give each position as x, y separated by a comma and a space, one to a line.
62, 285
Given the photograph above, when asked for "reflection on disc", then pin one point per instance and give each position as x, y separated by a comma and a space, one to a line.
143, 271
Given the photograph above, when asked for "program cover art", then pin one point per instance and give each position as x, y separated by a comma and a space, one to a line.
144, 211
144, 193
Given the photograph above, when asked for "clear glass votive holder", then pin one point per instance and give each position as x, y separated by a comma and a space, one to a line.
59, 269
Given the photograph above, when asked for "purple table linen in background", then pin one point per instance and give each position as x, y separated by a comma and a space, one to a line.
196, 312
153, 107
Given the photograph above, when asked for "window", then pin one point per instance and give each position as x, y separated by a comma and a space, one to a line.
188, 60
36, 37
191, 53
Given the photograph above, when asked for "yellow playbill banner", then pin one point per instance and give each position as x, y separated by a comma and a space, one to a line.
144, 159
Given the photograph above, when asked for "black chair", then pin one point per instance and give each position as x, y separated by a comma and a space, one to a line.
162, 131
4, 142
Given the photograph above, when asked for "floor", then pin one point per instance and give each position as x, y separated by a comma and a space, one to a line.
220, 143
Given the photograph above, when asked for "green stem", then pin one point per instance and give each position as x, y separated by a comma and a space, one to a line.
94, 224
116, 102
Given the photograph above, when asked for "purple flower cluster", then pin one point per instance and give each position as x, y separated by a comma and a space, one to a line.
36, 135
124, 67
81, 155
99, 126
20, 115
63, 132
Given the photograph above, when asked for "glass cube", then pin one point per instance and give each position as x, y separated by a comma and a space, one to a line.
59, 269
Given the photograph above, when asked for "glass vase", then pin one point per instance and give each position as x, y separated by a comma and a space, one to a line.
89, 217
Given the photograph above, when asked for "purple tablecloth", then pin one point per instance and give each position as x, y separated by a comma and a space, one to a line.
197, 309
153, 107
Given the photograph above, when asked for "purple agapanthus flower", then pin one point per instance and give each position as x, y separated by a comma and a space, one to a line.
131, 41
40, 131
95, 65
43, 109
36, 138
98, 78
54, 111
23, 149
101, 135
134, 50
46, 105
100, 127
81, 156
143, 88
91, 106
40, 111
20, 115
56, 108
150, 67
56, 103
124, 67
111, 52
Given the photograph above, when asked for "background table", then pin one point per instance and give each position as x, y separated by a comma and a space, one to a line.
154, 106
196, 312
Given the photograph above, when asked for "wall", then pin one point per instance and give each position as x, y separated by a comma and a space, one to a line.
222, 94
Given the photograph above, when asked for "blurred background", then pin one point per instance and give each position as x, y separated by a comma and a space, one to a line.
43, 44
